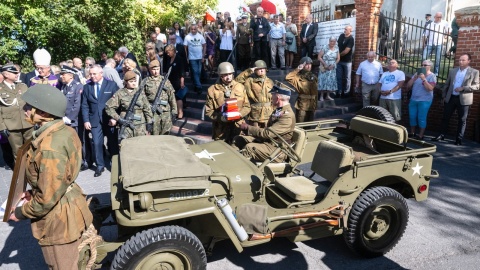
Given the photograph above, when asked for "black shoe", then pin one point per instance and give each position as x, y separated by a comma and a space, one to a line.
84, 167
98, 172
440, 137
283, 68
458, 141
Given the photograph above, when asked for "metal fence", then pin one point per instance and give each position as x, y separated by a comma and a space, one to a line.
321, 13
408, 41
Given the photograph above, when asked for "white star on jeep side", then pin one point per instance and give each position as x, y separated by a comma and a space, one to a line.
417, 169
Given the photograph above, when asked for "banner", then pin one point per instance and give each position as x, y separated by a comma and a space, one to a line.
331, 29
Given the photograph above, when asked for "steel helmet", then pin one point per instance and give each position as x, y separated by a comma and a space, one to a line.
46, 98
225, 68
306, 60
260, 64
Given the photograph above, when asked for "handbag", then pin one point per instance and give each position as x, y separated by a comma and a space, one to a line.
289, 40
180, 94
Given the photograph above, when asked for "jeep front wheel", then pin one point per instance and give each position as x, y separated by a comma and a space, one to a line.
377, 221
168, 247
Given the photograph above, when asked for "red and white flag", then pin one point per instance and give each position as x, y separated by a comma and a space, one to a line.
210, 15
269, 7
245, 8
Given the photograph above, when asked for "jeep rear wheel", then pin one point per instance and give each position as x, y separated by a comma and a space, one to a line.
168, 247
376, 112
377, 221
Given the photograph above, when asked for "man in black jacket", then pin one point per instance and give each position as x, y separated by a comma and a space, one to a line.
261, 28
307, 36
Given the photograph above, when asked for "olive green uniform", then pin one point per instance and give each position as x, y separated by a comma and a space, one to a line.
162, 121
305, 82
244, 33
257, 89
257, 145
117, 107
216, 95
12, 116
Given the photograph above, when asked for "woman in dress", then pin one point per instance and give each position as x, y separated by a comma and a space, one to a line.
422, 86
210, 38
290, 49
177, 75
327, 77
226, 47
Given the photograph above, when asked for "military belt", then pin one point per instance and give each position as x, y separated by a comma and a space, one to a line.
307, 96
260, 104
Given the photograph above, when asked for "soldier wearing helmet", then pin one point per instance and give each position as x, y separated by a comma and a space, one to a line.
226, 89
306, 84
56, 205
258, 85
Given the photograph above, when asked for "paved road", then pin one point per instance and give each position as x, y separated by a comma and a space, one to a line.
443, 232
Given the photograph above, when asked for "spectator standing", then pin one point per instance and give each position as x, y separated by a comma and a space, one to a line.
306, 84
327, 77
344, 67
118, 57
244, 39
179, 33
261, 28
422, 86
159, 45
308, 35
454, 33
177, 76
89, 61
433, 38
369, 72
80, 72
210, 38
126, 55
111, 74
277, 42
160, 36
391, 84
383, 28
291, 42
195, 49
457, 95
45, 76
226, 46
200, 30
103, 59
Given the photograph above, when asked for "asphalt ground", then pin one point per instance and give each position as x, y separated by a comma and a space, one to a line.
443, 232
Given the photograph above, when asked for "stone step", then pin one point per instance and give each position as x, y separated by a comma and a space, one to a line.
198, 138
197, 125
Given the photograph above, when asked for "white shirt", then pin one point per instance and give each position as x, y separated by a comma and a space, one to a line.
389, 80
9, 85
435, 32
306, 29
162, 37
227, 40
370, 71
99, 87
194, 44
459, 77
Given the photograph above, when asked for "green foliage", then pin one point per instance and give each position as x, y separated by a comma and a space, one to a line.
81, 28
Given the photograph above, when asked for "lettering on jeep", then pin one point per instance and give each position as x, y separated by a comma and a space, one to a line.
188, 194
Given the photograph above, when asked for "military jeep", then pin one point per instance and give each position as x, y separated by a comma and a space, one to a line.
174, 200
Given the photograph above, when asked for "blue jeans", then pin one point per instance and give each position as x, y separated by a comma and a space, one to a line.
427, 51
418, 111
344, 72
196, 70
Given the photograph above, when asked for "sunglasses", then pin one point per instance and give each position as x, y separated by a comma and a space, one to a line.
424, 65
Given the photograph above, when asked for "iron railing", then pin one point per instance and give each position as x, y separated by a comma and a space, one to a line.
321, 13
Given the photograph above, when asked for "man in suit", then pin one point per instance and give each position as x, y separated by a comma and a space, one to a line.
308, 35
457, 94
95, 95
261, 28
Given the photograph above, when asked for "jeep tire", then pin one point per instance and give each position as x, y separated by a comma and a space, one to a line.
377, 221
167, 247
377, 112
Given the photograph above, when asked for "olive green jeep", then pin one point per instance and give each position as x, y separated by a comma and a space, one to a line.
173, 200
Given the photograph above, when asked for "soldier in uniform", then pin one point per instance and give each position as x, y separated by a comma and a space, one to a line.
42, 65
72, 89
56, 205
118, 104
226, 88
305, 82
257, 145
258, 86
162, 118
244, 41
12, 119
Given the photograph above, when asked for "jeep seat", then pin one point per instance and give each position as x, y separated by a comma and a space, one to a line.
298, 141
378, 129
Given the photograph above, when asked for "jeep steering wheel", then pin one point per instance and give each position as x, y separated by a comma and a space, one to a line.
286, 148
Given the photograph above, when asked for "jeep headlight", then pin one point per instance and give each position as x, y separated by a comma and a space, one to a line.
146, 200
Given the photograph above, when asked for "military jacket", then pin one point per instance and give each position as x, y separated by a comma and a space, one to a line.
12, 116
306, 84
257, 89
216, 95
282, 120
58, 209
51, 80
150, 87
244, 33
73, 93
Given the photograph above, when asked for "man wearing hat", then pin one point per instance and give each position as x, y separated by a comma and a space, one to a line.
72, 89
162, 118
12, 119
55, 205
257, 86
306, 84
244, 39
217, 96
42, 65
256, 144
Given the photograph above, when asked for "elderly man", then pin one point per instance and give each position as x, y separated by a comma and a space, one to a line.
261, 28
160, 36
369, 73
433, 39
195, 49
277, 42
390, 85
159, 45
79, 71
308, 35
344, 67
457, 95
110, 73
45, 75
126, 54
256, 145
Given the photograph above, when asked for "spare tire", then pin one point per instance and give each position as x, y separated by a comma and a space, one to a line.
377, 112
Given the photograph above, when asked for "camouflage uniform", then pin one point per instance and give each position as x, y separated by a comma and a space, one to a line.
162, 123
257, 145
306, 84
216, 95
58, 210
12, 116
257, 89
117, 107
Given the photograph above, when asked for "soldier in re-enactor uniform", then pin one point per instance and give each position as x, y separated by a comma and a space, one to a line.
224, 129
56, 205
162, 118
117, 107
244, 43
258, 85
12, 118
305, 82
257, 145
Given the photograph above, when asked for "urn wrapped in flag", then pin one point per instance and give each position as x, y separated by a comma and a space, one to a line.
230, 109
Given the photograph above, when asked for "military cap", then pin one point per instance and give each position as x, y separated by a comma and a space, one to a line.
129, 75
306, 60
46, 98
244, 16
154, 63
10, 68
239, 18
281, 88
428, 15
67, 69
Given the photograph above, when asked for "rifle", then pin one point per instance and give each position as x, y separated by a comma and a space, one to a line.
156, 102
127, 121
